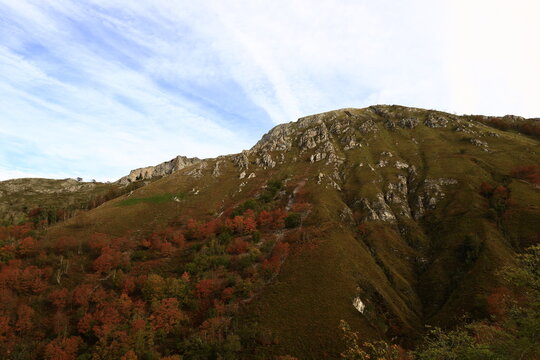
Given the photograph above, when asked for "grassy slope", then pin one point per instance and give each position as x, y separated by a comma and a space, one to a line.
304, 304
20, 195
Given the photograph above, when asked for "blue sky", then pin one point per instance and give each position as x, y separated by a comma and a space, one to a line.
96, 88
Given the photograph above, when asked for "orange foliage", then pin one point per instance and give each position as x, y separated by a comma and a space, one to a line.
530, 173
62, 348
264, 219
166, 316
207, 287
238, 246
59, 297
28, 246
81, 294
24, 318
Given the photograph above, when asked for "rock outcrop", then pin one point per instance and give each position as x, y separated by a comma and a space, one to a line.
163, 169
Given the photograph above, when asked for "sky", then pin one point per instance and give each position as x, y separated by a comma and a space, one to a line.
95, 88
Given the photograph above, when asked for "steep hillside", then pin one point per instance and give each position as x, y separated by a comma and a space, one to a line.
387, 217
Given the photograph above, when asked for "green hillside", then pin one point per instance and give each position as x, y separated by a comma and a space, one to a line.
390, 218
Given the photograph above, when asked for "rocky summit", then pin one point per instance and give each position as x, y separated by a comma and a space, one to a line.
386, 219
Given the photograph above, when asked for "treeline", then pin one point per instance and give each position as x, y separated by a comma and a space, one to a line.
529, 127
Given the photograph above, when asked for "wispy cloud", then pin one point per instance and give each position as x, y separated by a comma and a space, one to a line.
95, 88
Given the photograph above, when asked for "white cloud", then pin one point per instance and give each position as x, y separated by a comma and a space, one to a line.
95, 88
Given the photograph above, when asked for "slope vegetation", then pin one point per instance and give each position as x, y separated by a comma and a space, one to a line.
387, 217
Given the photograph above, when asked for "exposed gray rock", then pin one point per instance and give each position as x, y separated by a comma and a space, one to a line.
197, 170
368, 126
396, 194
162, 169
349, 142
432, 192
401, 165
408, 123
436, 121
217, 168
479, 143
241, 160
265, 160
378, 209
310, 138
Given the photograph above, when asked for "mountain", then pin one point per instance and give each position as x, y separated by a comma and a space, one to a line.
390, 218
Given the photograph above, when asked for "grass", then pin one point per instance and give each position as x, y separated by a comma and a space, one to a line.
415, 274
156, 199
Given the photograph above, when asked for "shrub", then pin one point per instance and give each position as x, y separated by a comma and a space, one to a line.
293, 220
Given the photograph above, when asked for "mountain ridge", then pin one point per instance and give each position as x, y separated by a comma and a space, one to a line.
397, 218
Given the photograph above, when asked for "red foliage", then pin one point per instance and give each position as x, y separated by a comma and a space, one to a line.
486, 189
128, 285
167, 249
238, 222
530, 173
278, 218
166, 316
250, 225
35, 212
130, 355
24, 319
81, 294
85, 323
206, 287
28, 246
300, 207
273, 263
227, 293
498, 301
20, 231
98, 241
60, 322
5, 329
238, 246
64, 243
264, 219
106, 319
108, 260
192, 228
4, 233
62, 349
32, 279
59, 298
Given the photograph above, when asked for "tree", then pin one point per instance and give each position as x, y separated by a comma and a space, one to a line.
28, 246
62, 348
59, 297
293, 220
238, 246
364, 350
452, 345
265, 219
24, 322
166, 316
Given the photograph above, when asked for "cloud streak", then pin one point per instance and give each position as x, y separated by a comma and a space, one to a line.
95, 88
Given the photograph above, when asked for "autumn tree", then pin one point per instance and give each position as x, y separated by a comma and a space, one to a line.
166, 316
62, 348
